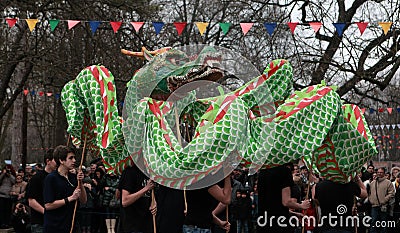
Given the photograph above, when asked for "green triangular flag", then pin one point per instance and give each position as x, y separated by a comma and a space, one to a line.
224, 27
53, 23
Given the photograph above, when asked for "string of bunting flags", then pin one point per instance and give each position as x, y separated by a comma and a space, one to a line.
201, 26
392, 126
387, 141
380, 110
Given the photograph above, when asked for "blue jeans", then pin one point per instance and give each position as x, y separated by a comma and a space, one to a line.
194, 229
36, 228
378, 215
242, 224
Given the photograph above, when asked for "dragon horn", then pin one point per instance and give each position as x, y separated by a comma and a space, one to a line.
145, 54
148, 54
133, 54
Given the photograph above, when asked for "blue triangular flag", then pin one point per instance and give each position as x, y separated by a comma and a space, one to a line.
270, 27
94, 25
57, 95
158, 26
371, 110
33, 92
122, 103
339, 27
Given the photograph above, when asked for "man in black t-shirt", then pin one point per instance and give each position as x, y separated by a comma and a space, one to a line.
337, 200
274, 200
34, 192
62, 189
170, 211
202, 202
136, 212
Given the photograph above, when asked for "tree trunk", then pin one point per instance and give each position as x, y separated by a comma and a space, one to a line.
5, 124
24, 131
19, 125
16, 131
60, 134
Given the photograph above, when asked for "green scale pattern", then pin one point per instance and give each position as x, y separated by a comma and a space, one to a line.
81, 98
308, 125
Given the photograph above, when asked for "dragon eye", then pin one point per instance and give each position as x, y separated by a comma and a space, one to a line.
173, 61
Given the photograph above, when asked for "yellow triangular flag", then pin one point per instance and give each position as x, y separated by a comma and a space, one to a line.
385, 26
202, 27
31, 23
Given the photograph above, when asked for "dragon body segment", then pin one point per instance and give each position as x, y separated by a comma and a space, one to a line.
240, 126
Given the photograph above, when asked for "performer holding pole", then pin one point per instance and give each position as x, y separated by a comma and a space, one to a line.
61, 192
227, 217
171, 203
339, 204
153, 203
308, 191
354, 211
79, 185
202, 202
138, 206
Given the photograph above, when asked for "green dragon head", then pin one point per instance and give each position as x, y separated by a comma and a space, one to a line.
169, 69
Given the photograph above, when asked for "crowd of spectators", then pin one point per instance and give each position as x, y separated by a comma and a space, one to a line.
101, 212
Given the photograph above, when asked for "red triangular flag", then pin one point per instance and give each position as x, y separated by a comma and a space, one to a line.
363, 110
26, 91
179, 27
41, 93
137, 25
292, 26
380, 110
72, 23
316, 26
115, 25
362, 26
390, 110
11, 22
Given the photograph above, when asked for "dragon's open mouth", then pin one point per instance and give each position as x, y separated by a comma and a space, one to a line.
210, 70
